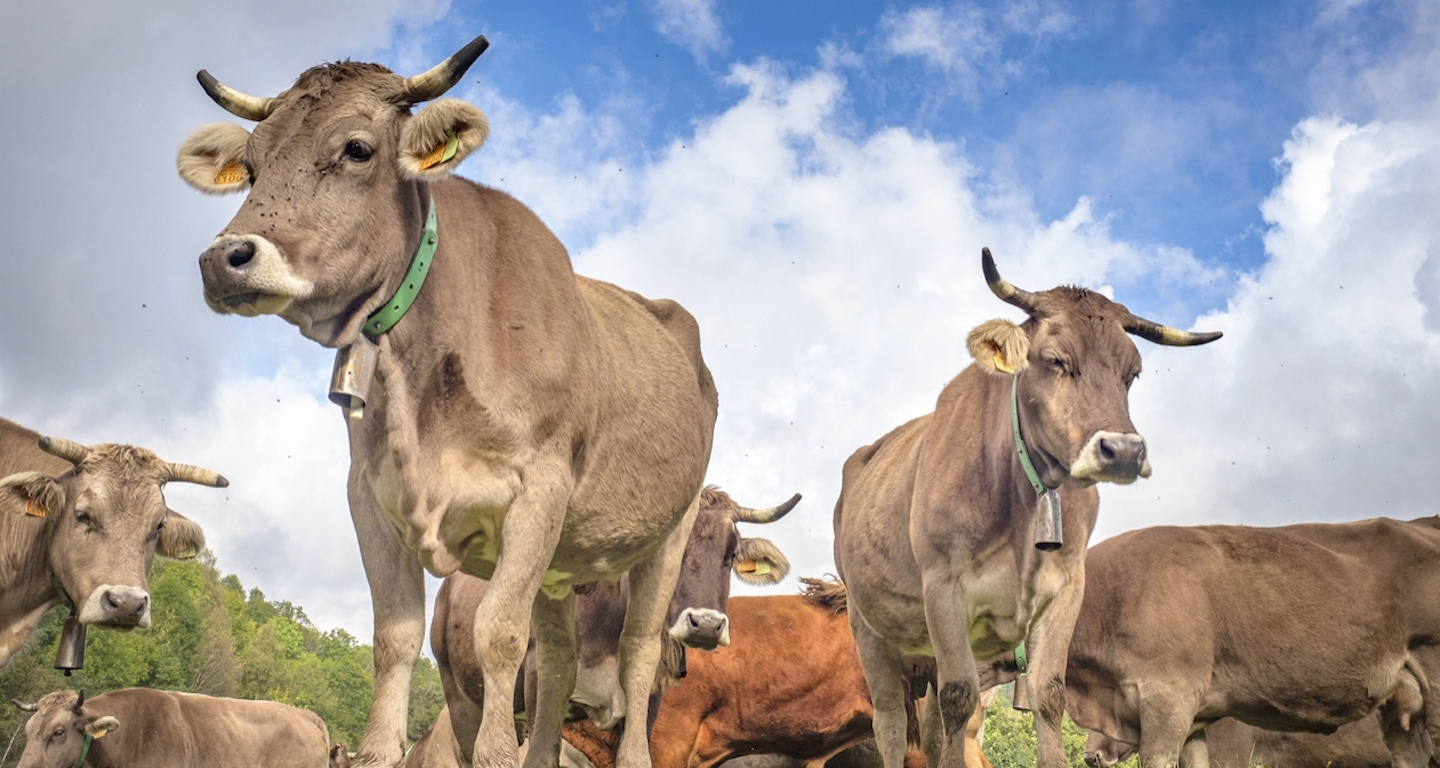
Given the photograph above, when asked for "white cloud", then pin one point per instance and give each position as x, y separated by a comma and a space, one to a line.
692, 24
967, 42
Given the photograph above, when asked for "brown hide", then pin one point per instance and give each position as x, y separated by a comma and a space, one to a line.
1297, 628
437, 748
525, 424
1233, 744
163, 729
93, 529
935, 524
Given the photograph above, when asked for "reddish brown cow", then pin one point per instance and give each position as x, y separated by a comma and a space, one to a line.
938, 522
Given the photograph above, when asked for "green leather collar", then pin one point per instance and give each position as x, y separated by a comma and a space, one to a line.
385, 318
1025, 464
85, 750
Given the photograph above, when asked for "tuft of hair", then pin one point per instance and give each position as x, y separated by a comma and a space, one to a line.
712, 497
998, 345
428, 131
758, 550
667, 672
206, 151
827, 593
124, 462
56, 700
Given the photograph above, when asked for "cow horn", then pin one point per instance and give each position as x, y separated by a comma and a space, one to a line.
1002, 288
1164, 334
68, 450
770, 515
433, 84
23, 706
184, 473
236, 103
80, 702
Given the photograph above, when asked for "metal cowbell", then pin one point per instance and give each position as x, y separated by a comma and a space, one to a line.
71, 653
354, 371
1049, 535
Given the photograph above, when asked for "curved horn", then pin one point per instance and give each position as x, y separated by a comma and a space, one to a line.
236, 103
23, 706
446, 74
68, 450
80, 702
184, 473
1164, 334
748, 515
1002, 288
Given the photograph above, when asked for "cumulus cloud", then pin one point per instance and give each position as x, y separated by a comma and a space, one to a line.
691, 24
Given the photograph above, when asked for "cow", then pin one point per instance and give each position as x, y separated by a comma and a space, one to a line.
80, 525
936, 523
524, 424
1233, 744
697, 617
1295, 628
143, 727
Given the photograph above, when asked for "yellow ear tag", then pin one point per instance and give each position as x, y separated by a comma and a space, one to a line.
99, 735
230, 173
34, 510
757, 567
1001, 365
442, 153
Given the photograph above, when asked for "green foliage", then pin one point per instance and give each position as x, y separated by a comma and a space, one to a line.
209, 635
1010, 737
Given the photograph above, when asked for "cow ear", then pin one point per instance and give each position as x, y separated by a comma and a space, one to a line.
209, 159
759, 562
1000, 347
31, 493
435, 141
98, 727
181, 538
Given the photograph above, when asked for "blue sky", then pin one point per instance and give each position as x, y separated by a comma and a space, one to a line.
814, 182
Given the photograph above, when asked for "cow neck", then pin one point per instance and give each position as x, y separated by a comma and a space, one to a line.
1020, 449
383, 319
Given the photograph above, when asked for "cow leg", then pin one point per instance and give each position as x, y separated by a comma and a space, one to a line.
955, 674
502, 622
1048, 648
885, 675
397, 594
1196, 752
652, 583
555, 647
1164, 729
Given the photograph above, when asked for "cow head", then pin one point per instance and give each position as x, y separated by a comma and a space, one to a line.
56, 733
1075, 363
106, 519
335, 170
697, 611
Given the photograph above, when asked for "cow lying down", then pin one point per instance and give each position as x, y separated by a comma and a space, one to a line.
146, 728
1233, 744
1297, 628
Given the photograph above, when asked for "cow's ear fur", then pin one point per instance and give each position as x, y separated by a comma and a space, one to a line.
181, 538
759, 562
1000, 347
31, 493
100, 726
424, 136
209, 159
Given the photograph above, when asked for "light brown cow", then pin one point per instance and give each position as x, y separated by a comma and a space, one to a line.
697, 617
81, 525
146, 728
524, 425
1296, 628
1233, 744
935, 527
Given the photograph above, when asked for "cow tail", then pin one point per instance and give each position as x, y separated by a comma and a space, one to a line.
912, 717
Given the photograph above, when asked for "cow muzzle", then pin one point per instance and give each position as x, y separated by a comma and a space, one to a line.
247, 275
701, 628
120, 607
1112, 457
1096, 760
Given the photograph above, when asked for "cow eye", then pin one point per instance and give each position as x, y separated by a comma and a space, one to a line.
82, 518
1056, 363
59, 732
358, 151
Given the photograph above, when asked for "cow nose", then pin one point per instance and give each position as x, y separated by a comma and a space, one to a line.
1092, 760
232, 255
124, 606
1122, 450
702, 628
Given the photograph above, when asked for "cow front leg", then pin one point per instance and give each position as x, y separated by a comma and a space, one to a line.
956, 680
885, 675
529, 536
397, 593
652, 584
1048, 649
555, 646
1196, 752
1165, 725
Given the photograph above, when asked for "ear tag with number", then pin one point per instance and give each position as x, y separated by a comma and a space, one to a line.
231, 173
757, 567
34, 510
1001, 365
443, 152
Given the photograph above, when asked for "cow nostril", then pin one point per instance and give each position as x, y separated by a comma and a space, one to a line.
694, 622
107, 601
1107, 451
241, 255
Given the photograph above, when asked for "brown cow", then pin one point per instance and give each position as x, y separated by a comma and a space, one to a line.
697, 616
935, 527
81, 525
1233, 744
146, 728
524, 425
1296, 628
